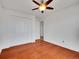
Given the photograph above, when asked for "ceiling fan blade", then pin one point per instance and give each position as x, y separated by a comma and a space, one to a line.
35, 9
49, 1
36, 2
50, 8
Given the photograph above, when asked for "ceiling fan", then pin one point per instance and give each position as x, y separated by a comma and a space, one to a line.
43, 5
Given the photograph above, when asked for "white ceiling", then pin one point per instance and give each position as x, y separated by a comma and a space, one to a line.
26, 6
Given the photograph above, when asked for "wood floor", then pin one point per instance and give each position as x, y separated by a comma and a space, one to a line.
38, 50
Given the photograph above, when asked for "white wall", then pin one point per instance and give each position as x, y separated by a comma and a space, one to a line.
0, 28
64, 26
16, 28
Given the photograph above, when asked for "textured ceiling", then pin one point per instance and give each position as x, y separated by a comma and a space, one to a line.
25, 6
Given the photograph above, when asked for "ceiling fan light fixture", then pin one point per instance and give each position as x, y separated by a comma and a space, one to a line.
42, 7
